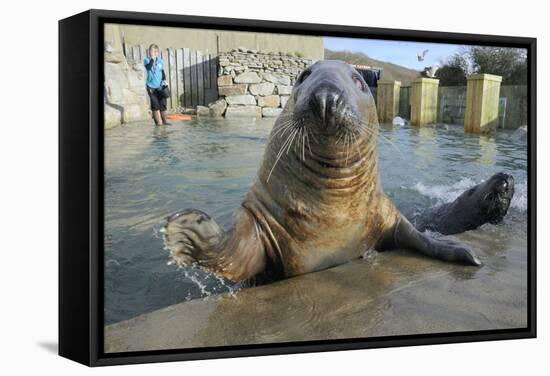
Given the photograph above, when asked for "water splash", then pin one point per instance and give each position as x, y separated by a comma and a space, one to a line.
209, 285
369, 254
519, 201
448, 193
191, 275
445, 193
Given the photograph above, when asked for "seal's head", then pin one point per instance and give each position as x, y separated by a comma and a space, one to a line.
491, 199
329, 123
334, 99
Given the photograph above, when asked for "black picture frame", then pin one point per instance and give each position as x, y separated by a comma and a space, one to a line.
81, 186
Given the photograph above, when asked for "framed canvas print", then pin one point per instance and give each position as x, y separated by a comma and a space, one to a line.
235, 187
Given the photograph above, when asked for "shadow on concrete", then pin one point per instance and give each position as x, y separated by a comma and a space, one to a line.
51, 347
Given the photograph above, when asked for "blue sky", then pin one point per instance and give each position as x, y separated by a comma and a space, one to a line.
401, 53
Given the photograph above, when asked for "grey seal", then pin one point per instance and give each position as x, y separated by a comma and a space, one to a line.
487, 202
317, 201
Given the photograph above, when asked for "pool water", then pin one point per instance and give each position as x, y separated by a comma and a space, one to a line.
151, 172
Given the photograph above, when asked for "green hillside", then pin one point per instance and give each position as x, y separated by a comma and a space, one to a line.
389, 70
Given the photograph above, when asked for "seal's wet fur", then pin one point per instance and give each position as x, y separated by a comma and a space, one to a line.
317, 200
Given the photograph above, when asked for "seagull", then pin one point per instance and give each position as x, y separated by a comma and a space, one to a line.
421, 55
430, 71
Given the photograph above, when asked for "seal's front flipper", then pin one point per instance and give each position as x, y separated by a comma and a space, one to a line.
240, 255
190, 233
194, 238
407, 237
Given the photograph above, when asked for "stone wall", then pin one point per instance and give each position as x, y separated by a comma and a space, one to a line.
254, 84
125, 97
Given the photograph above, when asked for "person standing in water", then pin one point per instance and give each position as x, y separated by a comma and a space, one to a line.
154, 66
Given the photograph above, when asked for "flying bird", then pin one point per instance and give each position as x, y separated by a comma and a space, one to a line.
421, 55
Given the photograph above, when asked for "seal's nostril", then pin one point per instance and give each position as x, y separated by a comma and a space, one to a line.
325, 102
319, 104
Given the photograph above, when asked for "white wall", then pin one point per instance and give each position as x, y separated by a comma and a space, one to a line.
28, 147
207, 40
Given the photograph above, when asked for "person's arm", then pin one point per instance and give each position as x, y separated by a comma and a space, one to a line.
148, 62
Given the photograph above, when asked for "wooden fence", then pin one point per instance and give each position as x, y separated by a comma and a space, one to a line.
191, 74
512, 111
405, 102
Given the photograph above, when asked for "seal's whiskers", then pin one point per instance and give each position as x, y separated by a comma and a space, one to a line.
340, 135
357, 148
293, 136
308, 145
304, 144
284, 127
347, 142
286, 143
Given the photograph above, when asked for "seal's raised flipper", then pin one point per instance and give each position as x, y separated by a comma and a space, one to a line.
194, 238
188, 233
406, 236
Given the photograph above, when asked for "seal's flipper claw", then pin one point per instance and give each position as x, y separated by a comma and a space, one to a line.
449, 250
189, 233
472, 259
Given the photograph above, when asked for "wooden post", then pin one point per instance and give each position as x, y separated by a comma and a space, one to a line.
214, 74
173, 78
387, 94
482, 95
206, 68
180, 72
187, 77
424, 101
194, 80
200, 78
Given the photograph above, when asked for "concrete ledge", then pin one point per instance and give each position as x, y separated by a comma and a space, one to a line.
426, 80
391, 293
485, 76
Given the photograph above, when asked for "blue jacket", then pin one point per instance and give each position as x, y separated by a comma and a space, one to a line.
155, 72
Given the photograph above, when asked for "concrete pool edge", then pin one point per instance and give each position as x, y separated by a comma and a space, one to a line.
390, 296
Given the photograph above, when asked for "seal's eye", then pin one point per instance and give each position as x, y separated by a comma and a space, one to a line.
359, 82
305, 74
